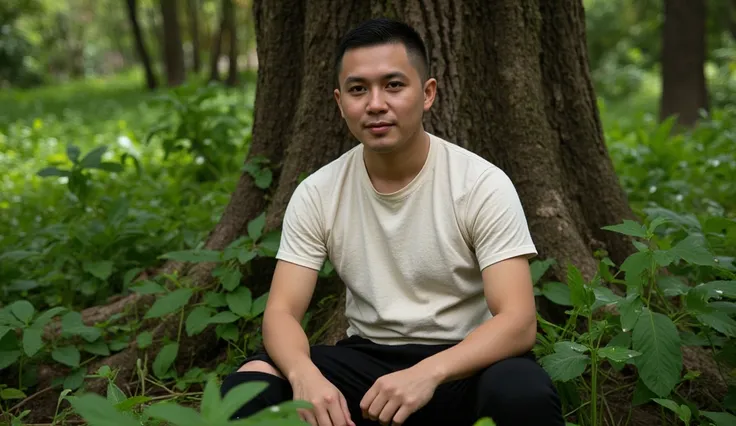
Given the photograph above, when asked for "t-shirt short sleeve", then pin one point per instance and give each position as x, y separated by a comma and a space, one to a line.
302, 233
496, 222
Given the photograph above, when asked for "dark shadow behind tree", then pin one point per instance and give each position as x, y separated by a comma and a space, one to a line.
226, 32
140, 45
230, 18
193, 7
173, 49
684, 90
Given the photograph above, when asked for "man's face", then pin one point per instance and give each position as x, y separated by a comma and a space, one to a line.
381, 96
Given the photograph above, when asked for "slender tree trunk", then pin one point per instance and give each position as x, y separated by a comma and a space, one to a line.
684, 91
193, 9
230, 16
173, 50
140, 45
217, 43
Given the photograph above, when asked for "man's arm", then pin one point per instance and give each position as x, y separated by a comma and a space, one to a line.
284, 339
511, 331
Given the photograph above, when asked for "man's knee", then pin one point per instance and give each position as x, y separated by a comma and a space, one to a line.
260, 367
518, 388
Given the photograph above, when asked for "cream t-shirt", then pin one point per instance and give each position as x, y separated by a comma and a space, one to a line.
412, 259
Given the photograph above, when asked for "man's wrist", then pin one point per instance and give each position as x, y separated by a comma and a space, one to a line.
435, 367
301, 368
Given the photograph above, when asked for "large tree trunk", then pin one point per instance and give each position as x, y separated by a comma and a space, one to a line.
514, 87
193, 9
173, 50
684, 91
140, 45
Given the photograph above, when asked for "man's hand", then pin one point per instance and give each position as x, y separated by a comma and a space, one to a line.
395, 396
329, 405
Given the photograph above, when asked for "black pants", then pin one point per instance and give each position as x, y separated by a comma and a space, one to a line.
513, 392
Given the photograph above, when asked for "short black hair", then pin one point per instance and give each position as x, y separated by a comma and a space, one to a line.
383, 31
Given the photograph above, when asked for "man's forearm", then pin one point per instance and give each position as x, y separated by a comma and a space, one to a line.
502, 336
287, 344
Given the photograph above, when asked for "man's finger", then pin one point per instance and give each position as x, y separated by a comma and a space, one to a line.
346, 410
308, 417
367, 400
388, 412
377, 406
401, 415
336, 413
323, 417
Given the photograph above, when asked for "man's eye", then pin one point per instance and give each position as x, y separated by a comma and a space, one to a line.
395, 84
355, 89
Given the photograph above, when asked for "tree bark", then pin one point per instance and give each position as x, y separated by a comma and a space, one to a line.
193, 9
232, 73
217, 43
684, 91
173, 50
140, 45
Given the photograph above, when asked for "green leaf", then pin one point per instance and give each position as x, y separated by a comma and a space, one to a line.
129, 403
263, 178
53, 171
115, 395
101, 270
47, 316
682, 411
718, 289
229, 278
98, 411
580, 296
628, 227
692, 249
240, 301
720, 419
617, 354
4, 330
270, 243
539, 268
719, 321
567, 346
564, 366
557, 292
110, 167
169, 303
93, 158
23, 310
245, 256
175, 414
605, 296
660, 363
67, 355
239, 395
656, 223
630, 308
98, 347
223, 318
663, 257
215, 300
72, 151
194, 256
144, 339
210, 408
12, 393
148, 287
71, 323
255, 226
165, 359
485, 421
634, 266
8, 358
32, 340
259, 305
198, 320
672, 286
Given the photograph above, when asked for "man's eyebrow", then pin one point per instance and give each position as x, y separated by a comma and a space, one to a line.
358, 79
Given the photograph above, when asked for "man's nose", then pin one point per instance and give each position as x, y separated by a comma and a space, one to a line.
376, 102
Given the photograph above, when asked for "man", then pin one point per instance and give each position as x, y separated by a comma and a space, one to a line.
433, 246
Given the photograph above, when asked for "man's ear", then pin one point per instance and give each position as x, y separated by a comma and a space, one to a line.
430, 91
337, 99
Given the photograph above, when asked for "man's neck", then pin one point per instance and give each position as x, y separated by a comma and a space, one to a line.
391, 171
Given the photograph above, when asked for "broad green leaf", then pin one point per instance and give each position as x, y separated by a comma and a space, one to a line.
682, 411
67, 355
272, 240
223, 318
110, 167
259, 305
8, 319
169, 303
656, 223
72, 324
245, 256
23, 310
729, 308
47, 316
718, 289
198, 320
195, 256
720, 419
240, 301
53, 171
263, 178
622, 340
32, 340
12, 393
210, 407
229, 278
255, 226
567, 346
18, 255
115, 395
557, 292
663, 257
148, 287
240, 395
175, 414
630, 308
98, 411
693, 250
101, 270
4, 330
604, 296
660, 362
165, 359
580, 296
8, 358
564, 366
618, 354
719, 321
539, 268
93, 158
133, 401
672, 286
98, 347
634, 266
144, 339
215, 300
628, 227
